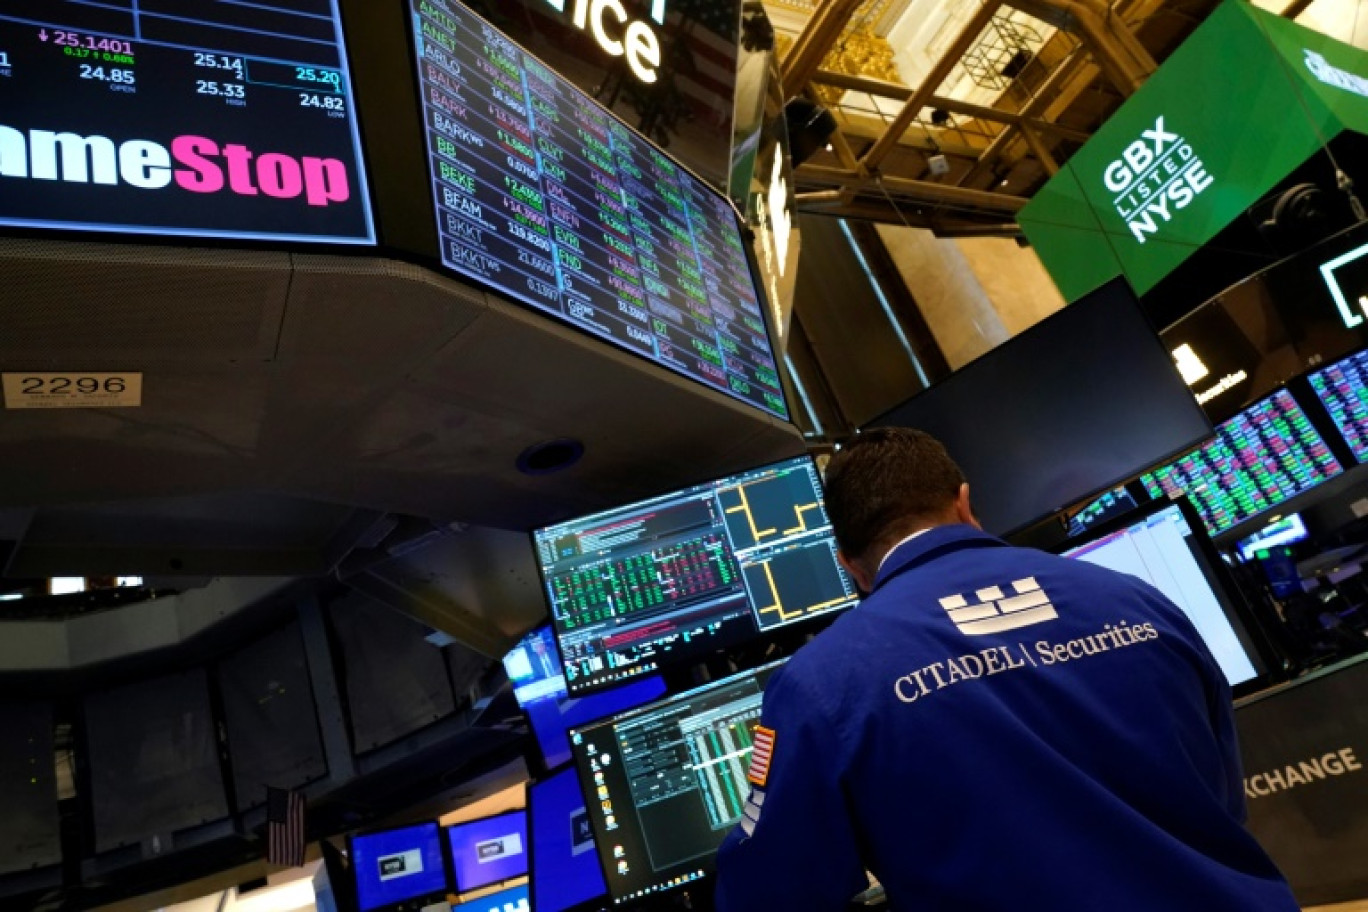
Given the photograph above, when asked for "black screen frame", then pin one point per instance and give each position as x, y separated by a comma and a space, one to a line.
1268, 662
675, 661
889, 417
598, 903
413, 903
460, 888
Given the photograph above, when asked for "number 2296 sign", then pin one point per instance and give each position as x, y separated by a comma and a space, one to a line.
72, 390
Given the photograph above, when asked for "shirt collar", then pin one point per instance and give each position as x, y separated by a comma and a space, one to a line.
928, 544
899, 545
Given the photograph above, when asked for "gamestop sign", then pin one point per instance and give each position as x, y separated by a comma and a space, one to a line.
242, 127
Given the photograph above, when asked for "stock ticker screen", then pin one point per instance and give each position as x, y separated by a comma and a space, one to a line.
1258, 459
1343, 389
670, 779
1113, 503
668, 579
548, 198
180, 118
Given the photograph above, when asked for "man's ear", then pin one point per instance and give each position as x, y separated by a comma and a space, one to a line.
857, 572
964, 511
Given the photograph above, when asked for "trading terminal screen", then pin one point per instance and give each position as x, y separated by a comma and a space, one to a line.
548, 197
1285, 531
668, 579
669, 783
534, 668
1108, 506
1343, 389
564, 863
1163, 550
1258, 459
186, 118
399, 868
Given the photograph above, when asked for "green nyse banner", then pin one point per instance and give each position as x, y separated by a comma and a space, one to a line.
1245, 100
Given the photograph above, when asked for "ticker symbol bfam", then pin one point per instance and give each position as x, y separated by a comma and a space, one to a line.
1156, 176
638, 41
194, 163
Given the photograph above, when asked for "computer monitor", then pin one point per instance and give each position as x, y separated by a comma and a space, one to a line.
534, 668
1114, 503
514, 899
551, 720
669, 579
489, 850
1285, 531
565, 873
1164, 545
1343, 389
670, 782
1073, 406
1263, 456
399, 869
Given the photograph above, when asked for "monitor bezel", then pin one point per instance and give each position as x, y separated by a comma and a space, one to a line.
1266, 654
883, 419
592, 904
448, 872
460, 888
691, 658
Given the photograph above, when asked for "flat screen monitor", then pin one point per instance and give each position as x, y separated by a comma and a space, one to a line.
534, 668
514, 899
1114, 503
671, 578
670, 779
546, 197
551, 720
1077, 404
565, 872
489, 850
1343, 389
1286, 531
1266, 454
402, 868
193, 119
1164, 545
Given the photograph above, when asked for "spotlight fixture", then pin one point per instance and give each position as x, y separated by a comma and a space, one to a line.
809, 128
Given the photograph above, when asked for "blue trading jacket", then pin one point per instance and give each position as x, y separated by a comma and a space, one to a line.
995, 728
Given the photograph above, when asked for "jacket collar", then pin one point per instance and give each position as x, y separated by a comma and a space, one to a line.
933, 544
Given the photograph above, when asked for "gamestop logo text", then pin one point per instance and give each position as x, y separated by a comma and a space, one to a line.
194, 163
1156, 176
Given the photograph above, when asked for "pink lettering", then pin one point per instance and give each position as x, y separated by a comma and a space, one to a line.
325, 181
279, 176
199, 175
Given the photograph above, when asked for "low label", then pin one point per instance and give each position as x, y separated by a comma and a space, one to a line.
38, 390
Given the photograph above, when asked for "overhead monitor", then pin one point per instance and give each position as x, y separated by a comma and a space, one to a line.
1343, 388
1110, 505
189, 119
1266, 454
551, 720
565, 872
1285, 531
399, 869
534, 668
669, 579
546, 197
489, 850
671, 783
514, 899
1163, 545
1078, 403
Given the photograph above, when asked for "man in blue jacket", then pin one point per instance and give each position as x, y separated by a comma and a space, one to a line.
992, 728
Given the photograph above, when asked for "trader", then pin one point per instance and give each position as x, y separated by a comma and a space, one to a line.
992, 728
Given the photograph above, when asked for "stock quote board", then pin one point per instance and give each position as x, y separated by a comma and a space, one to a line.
183, 118
546, 197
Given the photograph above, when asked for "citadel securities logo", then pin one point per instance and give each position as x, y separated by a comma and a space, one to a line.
1156, 177
995, 612
194, 163
639, 43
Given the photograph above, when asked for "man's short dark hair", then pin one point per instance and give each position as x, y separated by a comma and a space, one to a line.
884, 485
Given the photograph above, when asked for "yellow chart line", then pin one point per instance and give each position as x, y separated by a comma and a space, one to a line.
802, 521
750, 519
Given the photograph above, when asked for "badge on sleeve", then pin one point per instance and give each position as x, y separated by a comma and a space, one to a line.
760, 757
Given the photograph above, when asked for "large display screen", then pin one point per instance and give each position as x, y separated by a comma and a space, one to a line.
488, 850
671, 782
396, 866
1343, 388
565, 867
546, 197
1258, 459
1075, 405
1110, 505
188, 118
534, 668
1162, 549
668, 579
